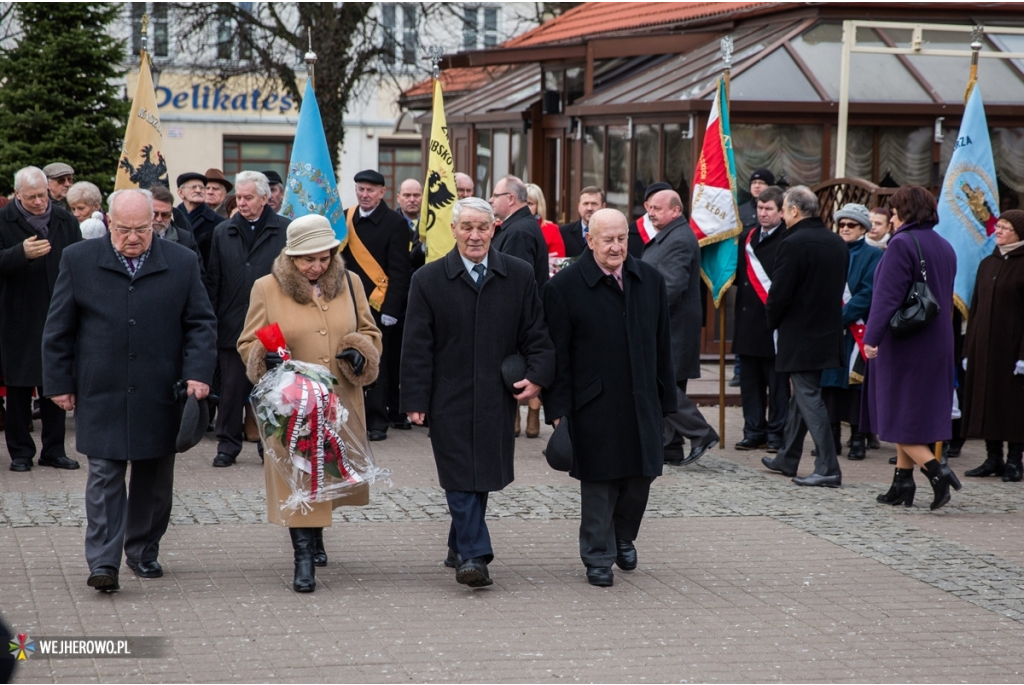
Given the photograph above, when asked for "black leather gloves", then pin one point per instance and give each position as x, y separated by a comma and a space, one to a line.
272, 360
353, 357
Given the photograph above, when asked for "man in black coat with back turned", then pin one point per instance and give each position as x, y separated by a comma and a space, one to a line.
614, 383
805, 305
519, 234
378, 252
243, 249
33, 234
467, 313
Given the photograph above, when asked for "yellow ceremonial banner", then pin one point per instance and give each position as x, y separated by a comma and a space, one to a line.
439, 190
142, 161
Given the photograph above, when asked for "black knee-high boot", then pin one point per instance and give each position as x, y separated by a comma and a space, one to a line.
305, 573
319, 553
902, 489
1014, 469
993, 464
858, 446
837, 437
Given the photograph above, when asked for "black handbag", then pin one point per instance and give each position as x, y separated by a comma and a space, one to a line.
919, 306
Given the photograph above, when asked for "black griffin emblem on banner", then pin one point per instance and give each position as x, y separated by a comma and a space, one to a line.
148, 174
439, 197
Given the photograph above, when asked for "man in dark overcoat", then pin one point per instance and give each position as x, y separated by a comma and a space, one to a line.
675, 253
243, 249
129, 319
805, 305
763, 390
519, 234
34, 232
614, 383
467, 313
200, 216
382, 252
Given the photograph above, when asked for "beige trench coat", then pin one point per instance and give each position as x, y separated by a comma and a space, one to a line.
315, 329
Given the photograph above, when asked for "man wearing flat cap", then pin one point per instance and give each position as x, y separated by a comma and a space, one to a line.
378, 251
60, 177
217, 189
759, 182
276, 190
201, 218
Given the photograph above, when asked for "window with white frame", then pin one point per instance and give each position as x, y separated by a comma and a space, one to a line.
479, 27
158, 41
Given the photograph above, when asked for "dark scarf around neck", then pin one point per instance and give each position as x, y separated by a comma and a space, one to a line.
40, 223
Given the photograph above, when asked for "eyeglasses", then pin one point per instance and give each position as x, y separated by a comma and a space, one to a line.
194, 186
162, 215
849, 224
65, 180
136, 231
496, 195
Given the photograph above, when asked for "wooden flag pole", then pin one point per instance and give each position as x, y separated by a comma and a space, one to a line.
727, 48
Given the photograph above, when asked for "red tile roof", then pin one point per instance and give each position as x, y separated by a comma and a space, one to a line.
456, 80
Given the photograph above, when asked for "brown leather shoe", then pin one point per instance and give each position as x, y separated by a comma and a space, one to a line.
518, 419
532, 423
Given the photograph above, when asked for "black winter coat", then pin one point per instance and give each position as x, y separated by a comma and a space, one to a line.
614, 377
635, 242
805, 303
121, 343
751, 335
26, 287
520, 236
572, 236
385, 234
455, 340
203, 220
234, 266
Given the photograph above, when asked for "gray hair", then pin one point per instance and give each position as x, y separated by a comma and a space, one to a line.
31, 176
803, 198
474, 203
515, 185
86, 192
257, 179
118, 194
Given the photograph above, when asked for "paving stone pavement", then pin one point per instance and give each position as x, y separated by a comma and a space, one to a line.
744, 577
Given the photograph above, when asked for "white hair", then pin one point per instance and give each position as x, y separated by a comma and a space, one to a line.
31, 176
118, 194
257, 179
803, 198
474, 203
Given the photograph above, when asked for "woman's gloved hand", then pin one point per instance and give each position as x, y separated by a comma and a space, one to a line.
353, 357
272, 360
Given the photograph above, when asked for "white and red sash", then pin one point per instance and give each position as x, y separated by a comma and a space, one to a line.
759, 278
645, 228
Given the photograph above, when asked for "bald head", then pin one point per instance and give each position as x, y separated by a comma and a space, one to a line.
607, 238
410, 197
664, 207
464, 185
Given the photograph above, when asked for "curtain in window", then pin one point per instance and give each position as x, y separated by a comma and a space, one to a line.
905, 154
790, 151
1008, 153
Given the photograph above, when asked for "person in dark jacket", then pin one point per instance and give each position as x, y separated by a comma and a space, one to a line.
805, 306
60, 177
519, 234
762, 388
129, 320
200, 216
994, 353
467, 313
574, 234
642, 230
674, 252
908, 387
841, 386
378, 251
759, 182
614, 383
34, 233
166, 228
243, 249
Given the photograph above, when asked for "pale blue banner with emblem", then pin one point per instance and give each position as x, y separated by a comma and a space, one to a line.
969, 201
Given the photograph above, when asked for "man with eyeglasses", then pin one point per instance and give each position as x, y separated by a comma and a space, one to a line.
130, 318
519, 234
164, 225
33, 235
201, 217
60, 177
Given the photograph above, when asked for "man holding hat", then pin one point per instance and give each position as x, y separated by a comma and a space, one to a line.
202, 219
759, 181
60, 177
276, 190
378, 251
217, 189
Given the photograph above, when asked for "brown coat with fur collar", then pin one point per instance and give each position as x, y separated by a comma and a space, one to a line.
316, 329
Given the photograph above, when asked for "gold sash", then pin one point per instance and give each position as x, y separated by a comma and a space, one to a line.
367, 263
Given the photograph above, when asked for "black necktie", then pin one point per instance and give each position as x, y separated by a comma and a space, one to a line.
480, 270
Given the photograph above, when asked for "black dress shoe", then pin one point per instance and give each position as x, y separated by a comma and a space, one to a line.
473, 572
104, 579
223, 459
774, 446
769, 464
817, 480
21, 465
625, 555
749, 444
601, 576
377, 435
454, 559
61, 462
698, 451
146, 569
405, 425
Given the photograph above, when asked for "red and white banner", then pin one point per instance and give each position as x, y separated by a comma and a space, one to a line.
713, 215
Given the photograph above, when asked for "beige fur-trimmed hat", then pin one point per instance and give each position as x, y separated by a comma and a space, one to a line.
310, 234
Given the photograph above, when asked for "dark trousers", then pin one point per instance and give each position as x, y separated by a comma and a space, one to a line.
20, 444
610, 510
382, 399
807, 413
132, 518
763, 390
234, 393
688, 422
468, 534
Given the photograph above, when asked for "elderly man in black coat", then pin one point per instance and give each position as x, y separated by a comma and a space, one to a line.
129, 319
468, 313
33, 234
519, 234
805, 306
675, 253
243, 249
614, 382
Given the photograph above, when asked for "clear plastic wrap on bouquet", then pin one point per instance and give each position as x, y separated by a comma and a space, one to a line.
307, 437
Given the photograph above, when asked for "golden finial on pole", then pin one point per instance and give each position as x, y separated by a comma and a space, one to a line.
144, 43
310, 57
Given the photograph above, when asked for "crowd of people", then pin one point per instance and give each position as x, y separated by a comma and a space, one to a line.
105, 313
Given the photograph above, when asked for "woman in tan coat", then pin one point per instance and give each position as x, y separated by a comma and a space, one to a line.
325, 318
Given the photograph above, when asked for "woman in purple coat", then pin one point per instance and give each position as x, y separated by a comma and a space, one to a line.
908, 392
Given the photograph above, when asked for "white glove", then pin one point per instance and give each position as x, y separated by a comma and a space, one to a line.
388, 320
1018, 368
964, 363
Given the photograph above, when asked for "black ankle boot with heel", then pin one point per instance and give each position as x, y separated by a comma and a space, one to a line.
305, 573
319, 553
902, 489
941, 477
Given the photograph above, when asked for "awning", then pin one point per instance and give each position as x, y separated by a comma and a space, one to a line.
505, 99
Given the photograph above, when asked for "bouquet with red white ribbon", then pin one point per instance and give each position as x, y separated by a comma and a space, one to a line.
305, 430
